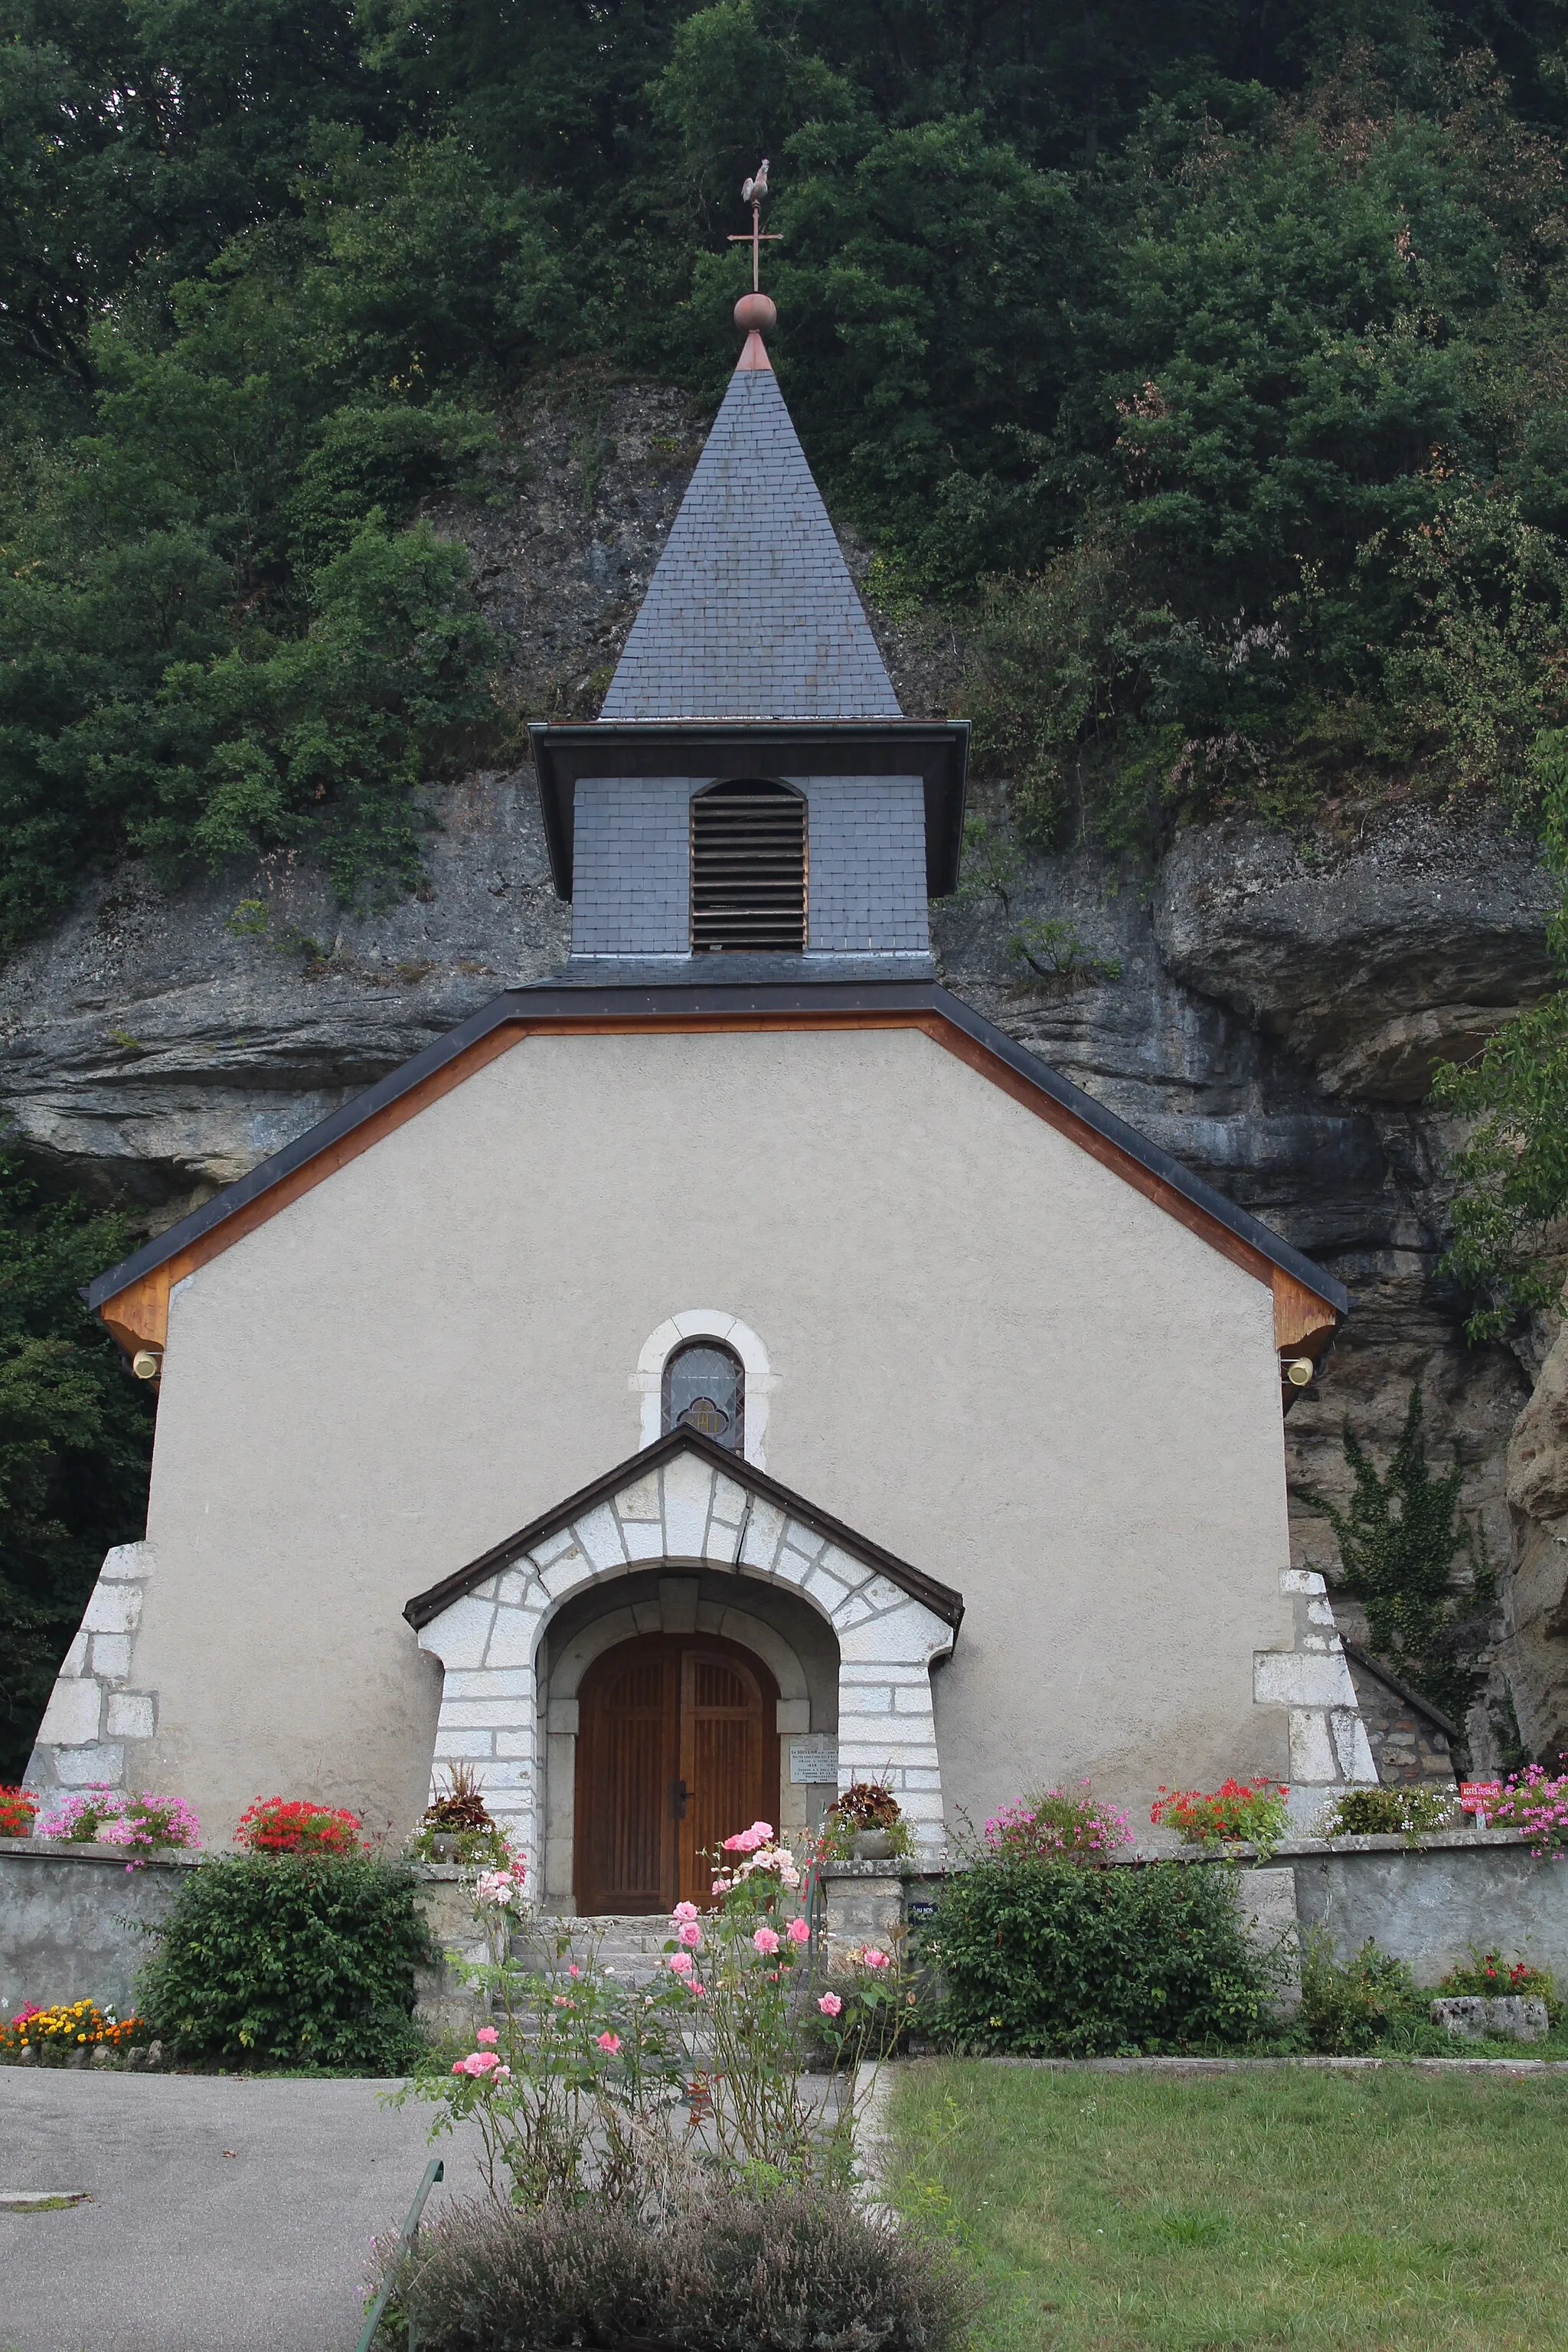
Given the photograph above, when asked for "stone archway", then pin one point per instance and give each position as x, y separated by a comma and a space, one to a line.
689, 1508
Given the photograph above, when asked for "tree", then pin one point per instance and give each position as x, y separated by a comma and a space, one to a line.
1401, 1539
76, 1442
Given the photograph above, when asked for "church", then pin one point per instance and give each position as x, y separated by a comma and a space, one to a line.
731, 1368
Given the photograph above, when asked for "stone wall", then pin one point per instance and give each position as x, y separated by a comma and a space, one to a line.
1431, 1903
74, 1925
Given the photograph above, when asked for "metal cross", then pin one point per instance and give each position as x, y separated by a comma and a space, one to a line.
756, 237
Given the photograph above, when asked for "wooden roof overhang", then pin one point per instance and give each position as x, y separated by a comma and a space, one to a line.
941, 1599
132, 1297
936, 750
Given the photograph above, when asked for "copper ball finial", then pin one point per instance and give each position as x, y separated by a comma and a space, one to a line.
756, 314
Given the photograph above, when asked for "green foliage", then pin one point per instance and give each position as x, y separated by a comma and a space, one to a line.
1044, 1958
1401, 1539
288, 1960
1511, 1172
76, 1436
1352, 2008
1387, 1812
1492, 1978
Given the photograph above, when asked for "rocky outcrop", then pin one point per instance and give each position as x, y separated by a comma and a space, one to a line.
1273, 1019
1534, 1654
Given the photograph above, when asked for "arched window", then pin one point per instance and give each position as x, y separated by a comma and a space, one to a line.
747, 867
705, 1389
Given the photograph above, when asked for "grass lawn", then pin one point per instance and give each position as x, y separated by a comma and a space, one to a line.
1381, 2210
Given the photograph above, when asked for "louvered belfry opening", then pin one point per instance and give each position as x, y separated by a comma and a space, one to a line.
747, 867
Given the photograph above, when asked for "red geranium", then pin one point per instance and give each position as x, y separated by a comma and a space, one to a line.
295, 1825
18, 1808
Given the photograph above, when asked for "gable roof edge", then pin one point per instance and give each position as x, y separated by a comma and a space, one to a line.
941, 1599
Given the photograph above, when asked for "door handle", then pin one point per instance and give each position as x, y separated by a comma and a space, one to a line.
678, 1800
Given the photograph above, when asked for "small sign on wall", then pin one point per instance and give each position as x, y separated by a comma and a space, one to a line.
813, 1757
1479, 1797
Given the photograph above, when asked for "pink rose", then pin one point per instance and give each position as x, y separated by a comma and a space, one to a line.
503, 2073
762, 1831
610, 2042
573, 1970
873, 1959
690, 1934
798, 1932
684, 1911
480, 2063
681, 1963
488, 2035
766, 1941
830, 2004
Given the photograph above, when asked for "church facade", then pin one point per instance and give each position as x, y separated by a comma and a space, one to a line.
731, 1368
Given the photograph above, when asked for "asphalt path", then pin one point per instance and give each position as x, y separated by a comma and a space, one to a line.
225, 2215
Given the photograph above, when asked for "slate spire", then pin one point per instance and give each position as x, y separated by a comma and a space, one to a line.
751, 613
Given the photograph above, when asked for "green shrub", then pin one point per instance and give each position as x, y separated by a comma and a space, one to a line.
1044, 1958
1387, 1813
776, 2274
289, 1960
1351, 2008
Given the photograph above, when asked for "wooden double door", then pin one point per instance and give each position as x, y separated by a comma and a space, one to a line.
677, 1748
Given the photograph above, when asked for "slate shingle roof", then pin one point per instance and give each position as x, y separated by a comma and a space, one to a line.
751, 612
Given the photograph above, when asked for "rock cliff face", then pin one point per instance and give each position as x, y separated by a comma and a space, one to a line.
1274, 1021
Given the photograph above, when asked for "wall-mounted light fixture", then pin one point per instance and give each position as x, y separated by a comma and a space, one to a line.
1299, 1370
147, 1363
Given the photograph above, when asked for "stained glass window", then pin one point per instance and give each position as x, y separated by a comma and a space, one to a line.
705, 1389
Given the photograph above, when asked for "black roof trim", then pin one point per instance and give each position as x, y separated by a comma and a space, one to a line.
935, 750
1401, 1689
543, 1000
941, 1599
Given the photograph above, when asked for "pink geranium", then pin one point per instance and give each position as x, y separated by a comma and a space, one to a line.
829, 2004
798, 1932
766, 1941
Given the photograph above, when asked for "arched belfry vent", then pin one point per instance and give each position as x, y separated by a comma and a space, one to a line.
747, 867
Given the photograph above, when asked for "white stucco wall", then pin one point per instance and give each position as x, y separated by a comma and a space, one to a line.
989, 1354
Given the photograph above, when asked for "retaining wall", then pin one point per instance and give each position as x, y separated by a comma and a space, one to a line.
1430, 1902
74, 1922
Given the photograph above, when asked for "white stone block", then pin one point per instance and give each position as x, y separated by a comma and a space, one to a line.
483, 1715
826, 1590
688, 1498
75, 1660
517, 1589
514, 1639
882, 1593
114, 1609
489, 1590
722, 1541
87, 1768
564, 1575
550, 1547
792, 1715
132, 1715
806, 1540
1291, 1679
644, 1538
599, 1535
910, 1633
1301, 1580
1320, 1612
112, 1656
640, 1499
868, 1698
1353, 1751
851, 1612
126, 1560
452, 1747
518, 1775
763, 1529
909, 1699
794, 1568
72, 1716
523, 1742
1312, 1750
729, 1499
562, 1717
922, 1775
458, 1636
486, 1682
